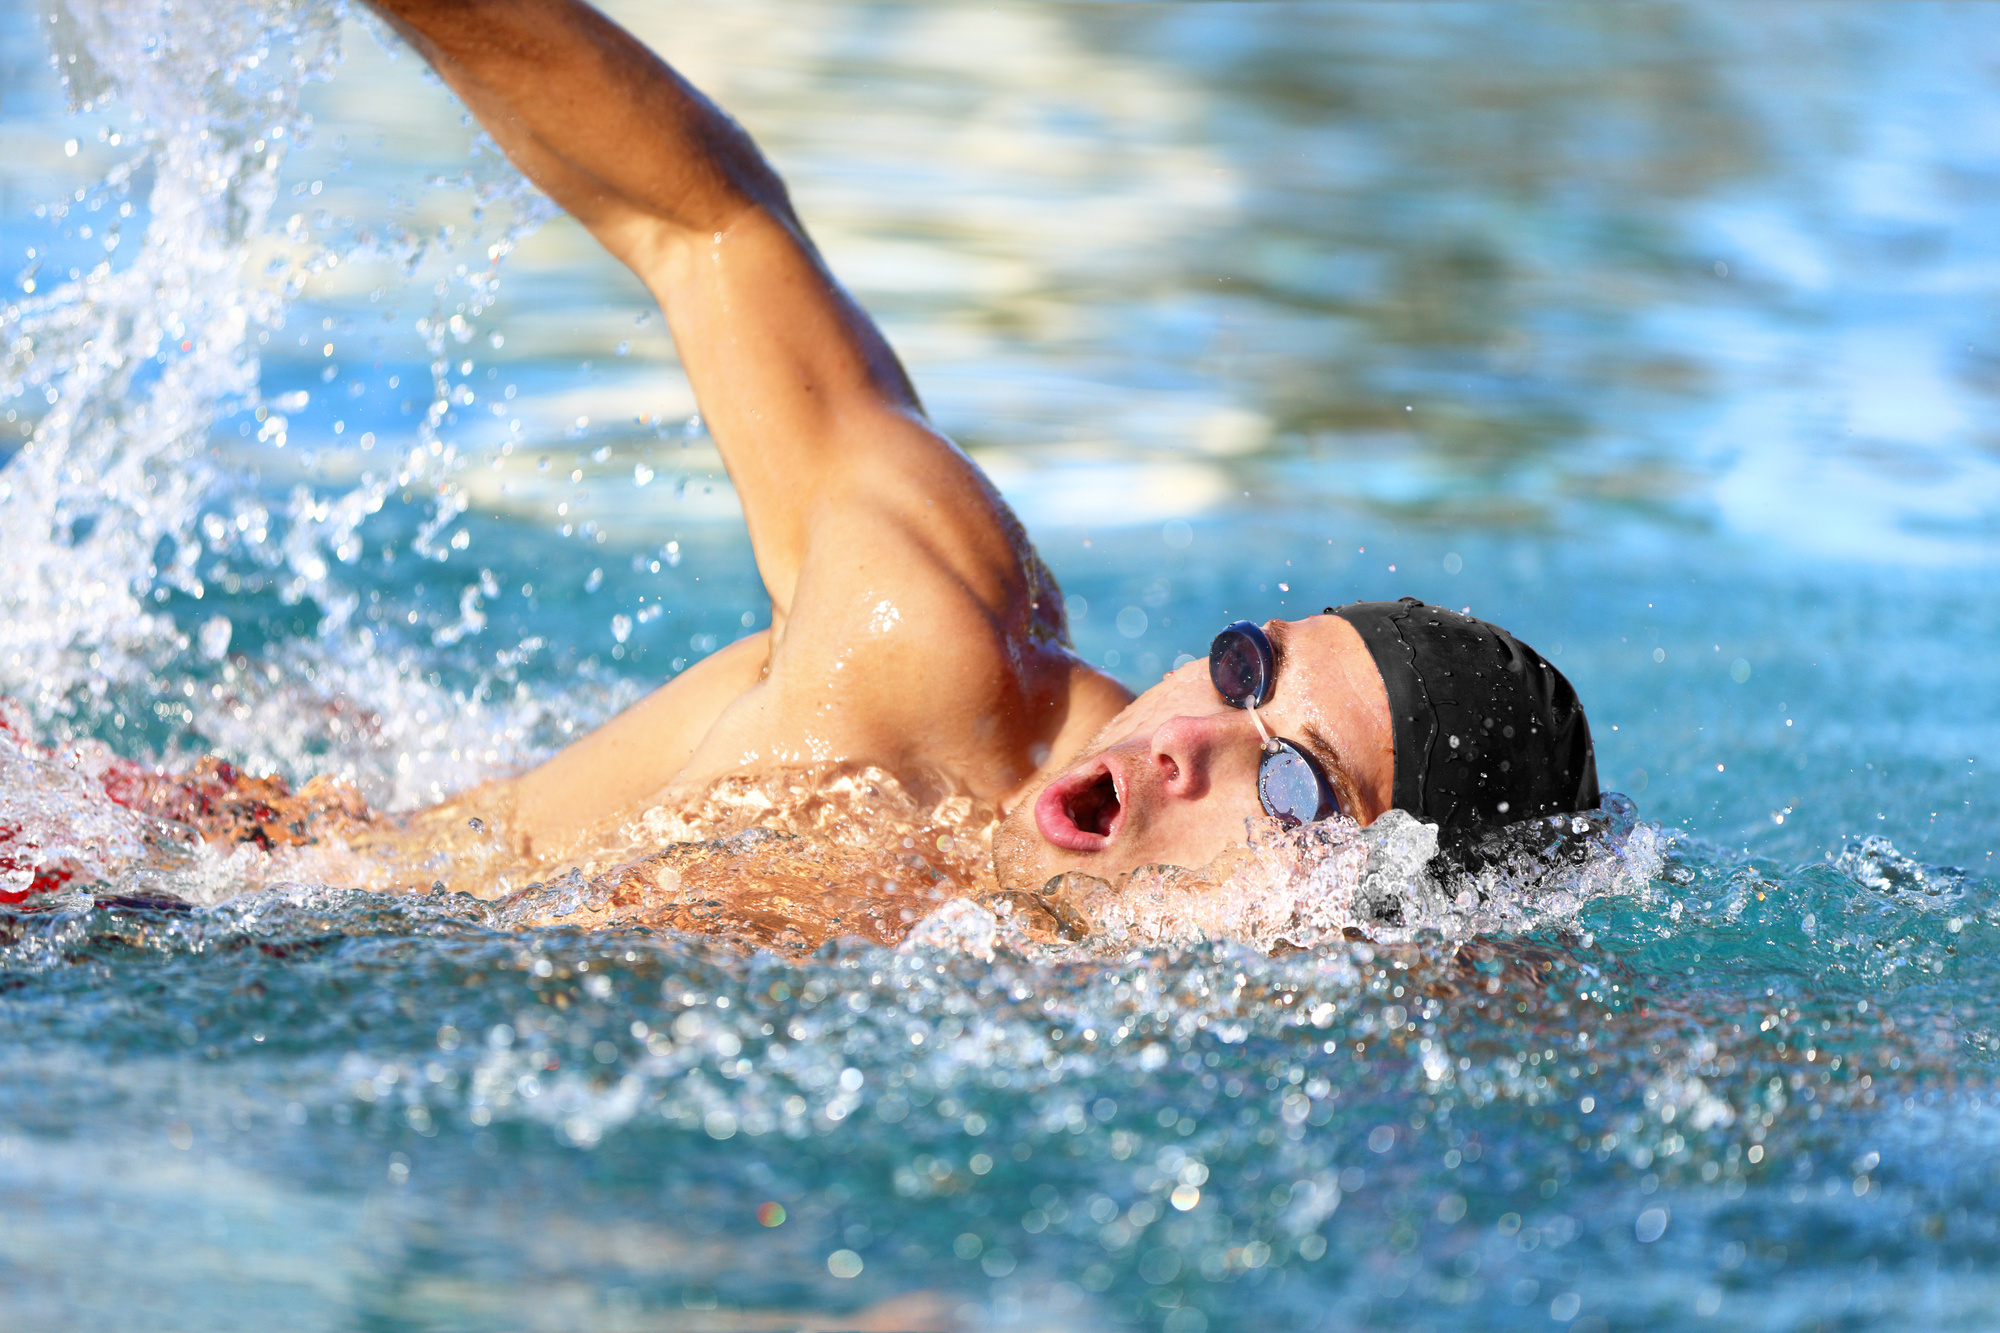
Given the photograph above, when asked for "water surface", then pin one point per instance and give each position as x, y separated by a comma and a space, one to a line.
1660, 334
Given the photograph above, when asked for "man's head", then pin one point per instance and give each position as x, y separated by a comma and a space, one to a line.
1402, 705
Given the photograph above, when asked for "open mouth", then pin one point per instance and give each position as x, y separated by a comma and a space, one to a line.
1081, 811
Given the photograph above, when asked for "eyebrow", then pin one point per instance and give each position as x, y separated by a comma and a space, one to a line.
1324, 750
1336, 767
1279, 633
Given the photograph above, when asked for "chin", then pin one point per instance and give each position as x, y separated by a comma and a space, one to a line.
1021, 860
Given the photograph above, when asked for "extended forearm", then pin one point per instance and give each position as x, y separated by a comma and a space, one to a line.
804, 397
600, 123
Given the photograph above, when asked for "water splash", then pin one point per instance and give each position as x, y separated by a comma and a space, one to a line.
1333, 881
135, 363
1413, 1098
57, 825
128, 511
794, 859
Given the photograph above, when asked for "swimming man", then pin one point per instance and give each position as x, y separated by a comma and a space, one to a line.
912, 626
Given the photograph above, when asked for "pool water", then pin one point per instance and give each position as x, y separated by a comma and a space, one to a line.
1659, 333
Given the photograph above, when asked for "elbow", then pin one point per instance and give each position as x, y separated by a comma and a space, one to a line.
739, 180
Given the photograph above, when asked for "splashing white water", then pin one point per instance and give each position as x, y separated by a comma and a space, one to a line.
114, 509
56, 823
136, 363
1311, 887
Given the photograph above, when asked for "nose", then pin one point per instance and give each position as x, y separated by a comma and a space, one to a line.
1187, 751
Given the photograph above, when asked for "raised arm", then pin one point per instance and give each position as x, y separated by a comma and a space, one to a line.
802, 394
912, 625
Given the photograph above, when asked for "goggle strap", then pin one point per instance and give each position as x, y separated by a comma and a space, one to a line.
1270, 746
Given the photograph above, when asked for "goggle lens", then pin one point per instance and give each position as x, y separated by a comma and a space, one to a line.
1291, 789
1241, 664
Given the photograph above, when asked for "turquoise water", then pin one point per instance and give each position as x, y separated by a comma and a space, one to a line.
1660, 334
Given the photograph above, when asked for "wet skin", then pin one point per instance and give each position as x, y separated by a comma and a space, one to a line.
1173, 778
912, 626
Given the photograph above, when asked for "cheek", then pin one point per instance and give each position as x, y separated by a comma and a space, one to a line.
1193, 833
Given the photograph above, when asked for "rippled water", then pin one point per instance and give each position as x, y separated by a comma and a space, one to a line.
1660, 334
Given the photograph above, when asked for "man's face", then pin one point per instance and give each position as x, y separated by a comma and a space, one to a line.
1173, 778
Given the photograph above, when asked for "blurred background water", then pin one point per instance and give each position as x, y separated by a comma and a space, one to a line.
1659, 333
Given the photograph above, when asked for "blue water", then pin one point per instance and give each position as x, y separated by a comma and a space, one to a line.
1660, 334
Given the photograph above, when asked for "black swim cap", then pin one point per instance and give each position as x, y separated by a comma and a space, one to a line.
1487, 732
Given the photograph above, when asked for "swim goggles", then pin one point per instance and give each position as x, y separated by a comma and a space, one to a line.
1290, 784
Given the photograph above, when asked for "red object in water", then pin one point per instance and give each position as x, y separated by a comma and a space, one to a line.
213, 797
43, 879
121, 781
